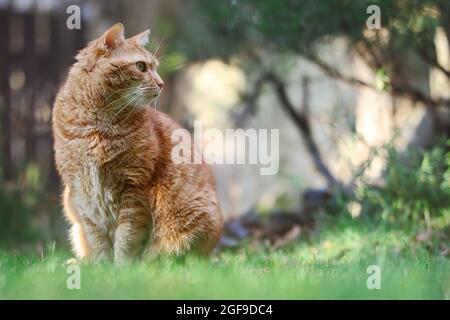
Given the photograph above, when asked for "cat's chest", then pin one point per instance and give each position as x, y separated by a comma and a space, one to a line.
96, 197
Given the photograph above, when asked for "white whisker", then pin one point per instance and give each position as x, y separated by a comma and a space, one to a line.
125, 105
159, 45
117, 91
135, 106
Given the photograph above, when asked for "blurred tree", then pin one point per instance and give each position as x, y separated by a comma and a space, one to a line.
252, 29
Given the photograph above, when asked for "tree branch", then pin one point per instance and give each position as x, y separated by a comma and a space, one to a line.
396, 89
432, 61
300, 119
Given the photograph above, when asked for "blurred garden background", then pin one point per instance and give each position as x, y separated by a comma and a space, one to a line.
363, 116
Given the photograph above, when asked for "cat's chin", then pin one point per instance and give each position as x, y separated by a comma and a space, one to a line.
150, 101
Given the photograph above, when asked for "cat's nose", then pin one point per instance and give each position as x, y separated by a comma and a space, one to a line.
160, 84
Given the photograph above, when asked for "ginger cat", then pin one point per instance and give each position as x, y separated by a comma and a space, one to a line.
124, 197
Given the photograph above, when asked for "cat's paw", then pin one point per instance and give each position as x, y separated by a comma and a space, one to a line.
71, 261
120, 260
104, 256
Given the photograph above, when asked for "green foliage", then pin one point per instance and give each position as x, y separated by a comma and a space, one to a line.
298, 25
416, 190
382, 80
171, 63
28, 214
15, 218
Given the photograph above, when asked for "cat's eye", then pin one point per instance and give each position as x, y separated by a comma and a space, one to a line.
141, 66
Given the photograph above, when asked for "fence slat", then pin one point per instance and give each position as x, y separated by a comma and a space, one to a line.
5, 138
30, 74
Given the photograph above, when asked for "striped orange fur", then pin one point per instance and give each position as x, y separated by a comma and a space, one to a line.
124, 197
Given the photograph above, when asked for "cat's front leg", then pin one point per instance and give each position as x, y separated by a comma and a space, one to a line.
131, 234
100, 248
88, 240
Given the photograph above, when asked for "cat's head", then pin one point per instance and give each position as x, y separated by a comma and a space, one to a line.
125, 69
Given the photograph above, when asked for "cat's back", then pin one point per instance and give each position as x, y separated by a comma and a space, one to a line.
69, 148
195, 174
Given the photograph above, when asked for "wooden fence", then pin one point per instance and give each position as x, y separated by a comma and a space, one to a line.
36, 49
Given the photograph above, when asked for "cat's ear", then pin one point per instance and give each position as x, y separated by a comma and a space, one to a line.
114, 37
141, 38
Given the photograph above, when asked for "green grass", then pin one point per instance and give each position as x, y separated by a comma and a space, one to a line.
329, 264
403, 227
